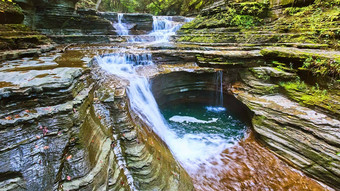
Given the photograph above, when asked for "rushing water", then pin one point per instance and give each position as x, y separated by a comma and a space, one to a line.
191, 149
206, 130
163, 27
219, 88
121, 28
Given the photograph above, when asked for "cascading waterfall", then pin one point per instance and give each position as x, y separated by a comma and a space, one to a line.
191, 150
163, 28
121, 27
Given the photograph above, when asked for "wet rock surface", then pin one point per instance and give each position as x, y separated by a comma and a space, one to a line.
65, 129
295, 106
305, 137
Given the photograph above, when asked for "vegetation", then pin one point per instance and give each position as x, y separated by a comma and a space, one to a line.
10, 13
156, 7
317, 22
247, 14
323, 67
9, 6
312, 96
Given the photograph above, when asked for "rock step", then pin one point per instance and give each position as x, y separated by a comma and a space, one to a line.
15, 54
183, 46
16, 33
300, 54
231, 34
37, 88
17, 36
63, 39
257, 45
25, 38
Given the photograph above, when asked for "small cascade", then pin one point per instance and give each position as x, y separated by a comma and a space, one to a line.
120, 27
163, 28
219, 88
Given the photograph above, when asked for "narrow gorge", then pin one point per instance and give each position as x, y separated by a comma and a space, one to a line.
240, 95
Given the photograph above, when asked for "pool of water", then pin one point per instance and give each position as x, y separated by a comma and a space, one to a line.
207, 123
228, 157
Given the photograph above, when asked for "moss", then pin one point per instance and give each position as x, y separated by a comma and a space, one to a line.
10, 13
243, 15
259, 75
258, 120
19, 36
202, 39
319, 20
301, 55
323, 67
312, 96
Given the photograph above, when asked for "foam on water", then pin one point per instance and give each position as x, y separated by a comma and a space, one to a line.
163, 28
215, 109
121, 27
188, 119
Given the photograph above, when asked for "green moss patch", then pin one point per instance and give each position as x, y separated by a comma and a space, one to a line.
320, 19
247, 14
323, 67
313, 96
10, 13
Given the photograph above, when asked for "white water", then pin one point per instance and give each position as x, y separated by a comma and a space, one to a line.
219, 88
191, 150
215, 109
189, 119
163, 28
121, 28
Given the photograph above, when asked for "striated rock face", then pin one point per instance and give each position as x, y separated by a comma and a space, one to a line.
148, 162
38, 116
305, 137
67, 128
15, 35
265, 23
61, 18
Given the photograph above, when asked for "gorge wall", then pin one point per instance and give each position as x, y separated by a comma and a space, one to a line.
278, 44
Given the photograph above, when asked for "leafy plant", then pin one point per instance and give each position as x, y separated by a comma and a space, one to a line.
323, 67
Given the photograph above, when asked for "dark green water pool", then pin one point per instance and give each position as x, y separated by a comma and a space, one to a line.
202, 132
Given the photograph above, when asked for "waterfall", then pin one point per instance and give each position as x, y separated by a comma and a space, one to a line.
164, 27
191, 150
219, 88
120, 27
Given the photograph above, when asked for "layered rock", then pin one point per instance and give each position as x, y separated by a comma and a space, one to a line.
306, 138
10, 13
61, 18
255, 23
15, 35
293, 92
65, 132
